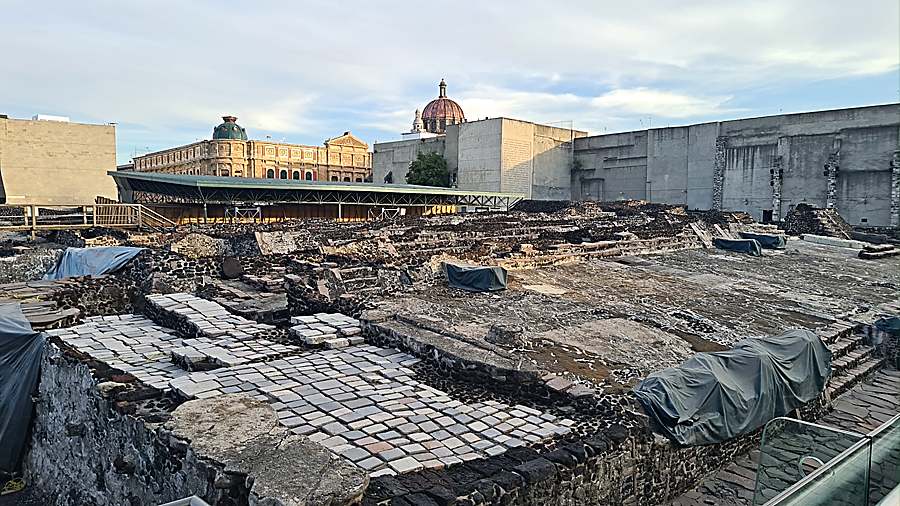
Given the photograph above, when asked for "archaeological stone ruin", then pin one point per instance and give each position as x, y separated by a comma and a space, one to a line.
315, 362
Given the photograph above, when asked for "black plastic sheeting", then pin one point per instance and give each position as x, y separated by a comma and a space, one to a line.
91, 261
749, 246
475, 278
714, 397
20, 360
766, 241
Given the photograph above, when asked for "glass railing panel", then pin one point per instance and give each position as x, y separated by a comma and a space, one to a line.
884, 475
791, 450
843, 482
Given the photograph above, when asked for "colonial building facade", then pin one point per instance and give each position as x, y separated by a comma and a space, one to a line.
344, 158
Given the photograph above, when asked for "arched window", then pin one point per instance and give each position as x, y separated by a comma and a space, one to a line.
346, 179
296, 174
283, 174
359, 180
308, 176
334, 178
270, 173
225, 173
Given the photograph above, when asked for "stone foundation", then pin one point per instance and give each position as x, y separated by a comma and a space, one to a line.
95, 442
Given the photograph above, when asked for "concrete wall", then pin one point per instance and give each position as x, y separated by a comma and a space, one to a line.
395, 157
766, 163
53, 162
498, 154
478, 155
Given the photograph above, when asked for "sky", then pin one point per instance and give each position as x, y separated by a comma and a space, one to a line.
303, 71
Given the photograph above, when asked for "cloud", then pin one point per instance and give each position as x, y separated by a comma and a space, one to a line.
309, 70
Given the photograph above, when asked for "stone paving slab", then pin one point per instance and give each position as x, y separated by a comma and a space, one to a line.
209, 319
131, 343
331, 330
363, 403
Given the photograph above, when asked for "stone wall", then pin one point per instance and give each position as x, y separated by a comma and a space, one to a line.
83, 451
100, 437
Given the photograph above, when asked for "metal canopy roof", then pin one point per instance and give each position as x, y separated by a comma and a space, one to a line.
231, 190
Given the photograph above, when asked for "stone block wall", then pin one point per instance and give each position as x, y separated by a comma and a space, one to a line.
84, 451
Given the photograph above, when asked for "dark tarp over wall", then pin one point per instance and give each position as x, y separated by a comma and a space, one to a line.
766, 241
20, 360
749, 246
714, 397
475, 278
91, 261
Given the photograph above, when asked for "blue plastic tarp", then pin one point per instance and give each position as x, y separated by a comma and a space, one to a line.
91, 261
766, 241
749, 246
20, 360
714, 397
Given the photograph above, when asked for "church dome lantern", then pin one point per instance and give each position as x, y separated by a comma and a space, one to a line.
229, 129
441, 112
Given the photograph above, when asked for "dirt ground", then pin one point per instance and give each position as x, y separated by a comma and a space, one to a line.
611, 322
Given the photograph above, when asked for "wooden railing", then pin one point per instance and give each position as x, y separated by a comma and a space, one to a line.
38, 217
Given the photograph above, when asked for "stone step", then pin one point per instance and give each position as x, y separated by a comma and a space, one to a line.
852, 359
355, 283
842, 347
840, 384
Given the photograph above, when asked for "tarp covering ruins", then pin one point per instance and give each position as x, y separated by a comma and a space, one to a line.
749, 246
91, 261
20, 359
475, 278
766, 241
714, 397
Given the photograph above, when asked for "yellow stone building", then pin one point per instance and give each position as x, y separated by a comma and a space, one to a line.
229, 153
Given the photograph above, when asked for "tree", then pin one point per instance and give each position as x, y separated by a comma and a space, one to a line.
429, 169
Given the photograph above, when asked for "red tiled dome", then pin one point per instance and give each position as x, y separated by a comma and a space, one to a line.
441, 112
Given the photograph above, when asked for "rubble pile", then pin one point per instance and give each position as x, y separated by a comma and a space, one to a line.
806, 219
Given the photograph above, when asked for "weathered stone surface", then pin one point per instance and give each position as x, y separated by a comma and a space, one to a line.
198, 246
285, 469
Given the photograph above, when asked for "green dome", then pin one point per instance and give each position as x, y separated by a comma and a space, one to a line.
229, 130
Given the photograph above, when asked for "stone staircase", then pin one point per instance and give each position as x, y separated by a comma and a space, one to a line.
852, 361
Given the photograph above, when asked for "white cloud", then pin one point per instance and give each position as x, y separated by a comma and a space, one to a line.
314, 69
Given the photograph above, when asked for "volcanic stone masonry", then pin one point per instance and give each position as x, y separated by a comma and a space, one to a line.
321, 363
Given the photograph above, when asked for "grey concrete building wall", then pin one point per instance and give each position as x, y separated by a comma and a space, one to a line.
516, 157
769, 164
478, 155
864, 179
56, 162
610, 167
553, 161
394, 157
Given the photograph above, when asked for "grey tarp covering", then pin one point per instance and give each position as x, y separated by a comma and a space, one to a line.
748, 246
91, 261
714, 397
20, 359
766, 241
475, 278
890, 324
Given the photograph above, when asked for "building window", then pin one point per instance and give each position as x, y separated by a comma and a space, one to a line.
283, 174
334, 178
346, 179
270, 173
308, 176
296, 175
359, 180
